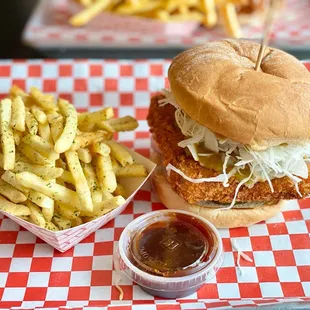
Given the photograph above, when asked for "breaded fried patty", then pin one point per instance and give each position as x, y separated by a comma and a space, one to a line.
167, 134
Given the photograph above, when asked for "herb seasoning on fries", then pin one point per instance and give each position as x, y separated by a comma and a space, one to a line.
60, 169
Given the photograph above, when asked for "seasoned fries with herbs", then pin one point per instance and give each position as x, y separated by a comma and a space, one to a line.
60, 168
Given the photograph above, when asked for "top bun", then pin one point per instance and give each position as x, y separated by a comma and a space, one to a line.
217, 86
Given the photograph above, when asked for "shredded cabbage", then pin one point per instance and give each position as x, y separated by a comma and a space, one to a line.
219, 178
240, 254
275, 162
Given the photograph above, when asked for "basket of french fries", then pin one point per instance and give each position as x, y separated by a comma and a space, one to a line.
165, 17
62, 174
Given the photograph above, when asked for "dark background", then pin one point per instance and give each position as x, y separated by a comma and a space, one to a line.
15, 13
13, 16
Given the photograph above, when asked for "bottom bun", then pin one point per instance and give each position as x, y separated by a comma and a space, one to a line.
220, 218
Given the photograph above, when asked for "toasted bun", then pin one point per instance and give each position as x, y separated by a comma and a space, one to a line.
221, 219
217, 86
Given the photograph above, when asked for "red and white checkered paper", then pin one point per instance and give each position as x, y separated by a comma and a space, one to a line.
48, 27
33, 274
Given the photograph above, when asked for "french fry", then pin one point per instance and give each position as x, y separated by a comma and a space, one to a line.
92, 182
126, 123
17, 135
120, 153
184, 9
120, 191
100, 148
21, 157
39, 115
18, 119
10, 178
133, 2
86, 3
210, 16
80, 181
44, 172
45, 132
36, 214
33, 155
115, 165
56, 122
229, 16
163, 15
135, 170
66, 211
48, 188
16, 91
172, 5
67, 177
61, 182
105, 173
87, 138
76, 222
128, 9
48, 213
88, 127
11, 192
61, 222
32, 123
84, 155
51, 226
65, 140
41, 200
13, 208
95, 117
7, 139
46, 102
61, 164
89, 13
36, 197
43, 147
104, 207
106, 195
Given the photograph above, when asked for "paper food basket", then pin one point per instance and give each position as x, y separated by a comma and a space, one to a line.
122, 23
65, 239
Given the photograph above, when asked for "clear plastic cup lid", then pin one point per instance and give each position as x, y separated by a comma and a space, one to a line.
170, 250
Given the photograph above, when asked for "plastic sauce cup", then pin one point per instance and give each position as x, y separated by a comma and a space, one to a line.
170, 253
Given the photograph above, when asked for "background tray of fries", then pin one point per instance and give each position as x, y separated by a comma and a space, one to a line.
129, 23
62, 174
49, 28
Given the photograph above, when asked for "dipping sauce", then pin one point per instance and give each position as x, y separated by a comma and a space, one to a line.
175, 246
170, 253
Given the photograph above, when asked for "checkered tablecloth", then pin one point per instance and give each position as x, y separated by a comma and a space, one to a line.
48, 28
32, 274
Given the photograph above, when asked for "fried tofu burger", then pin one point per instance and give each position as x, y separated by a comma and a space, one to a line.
233, 143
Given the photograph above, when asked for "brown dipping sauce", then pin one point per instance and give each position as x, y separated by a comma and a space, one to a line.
175, 246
